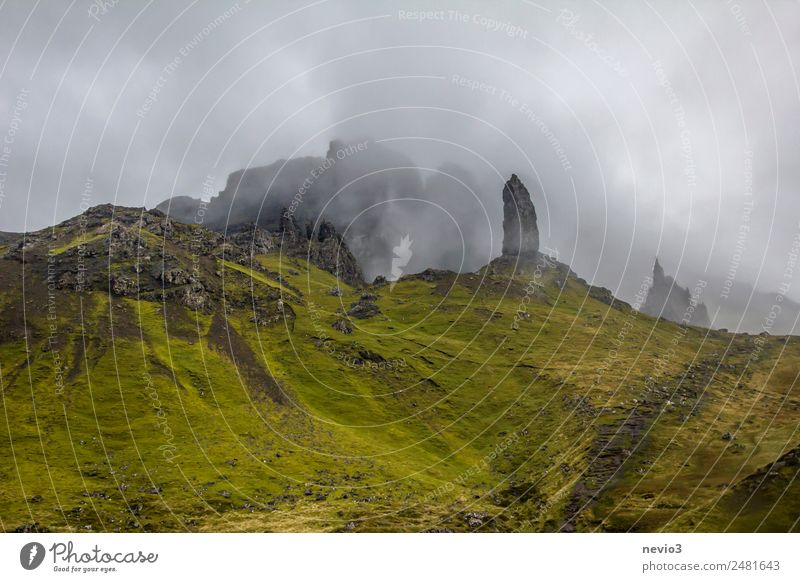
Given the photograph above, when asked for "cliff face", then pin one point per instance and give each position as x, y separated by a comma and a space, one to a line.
669, 300
323, 246
348, 187
520, 232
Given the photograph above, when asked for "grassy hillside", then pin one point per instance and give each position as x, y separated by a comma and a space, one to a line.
160, 377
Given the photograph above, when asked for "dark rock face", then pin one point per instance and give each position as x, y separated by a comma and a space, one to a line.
323, 247
330, 253
289, 228
333, 256
308, 186
520, 232
669, 300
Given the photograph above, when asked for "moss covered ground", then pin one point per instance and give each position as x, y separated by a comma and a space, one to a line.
505, 400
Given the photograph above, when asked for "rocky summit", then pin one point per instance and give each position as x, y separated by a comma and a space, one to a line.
669, 300
520, 232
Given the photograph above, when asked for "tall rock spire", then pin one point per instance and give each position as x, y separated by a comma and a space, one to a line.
667, 299
520, 233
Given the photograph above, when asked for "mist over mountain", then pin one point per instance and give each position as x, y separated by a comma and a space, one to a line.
739, 307
667, 299
374, 195
642, 142
368, 266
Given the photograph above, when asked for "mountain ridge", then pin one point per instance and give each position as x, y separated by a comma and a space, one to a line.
226, 385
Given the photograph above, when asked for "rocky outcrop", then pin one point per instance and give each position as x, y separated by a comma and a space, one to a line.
520, 232
324, 247
330, 253
289, 229
171, 275
352, 185
670, 301
363, 309
343, 326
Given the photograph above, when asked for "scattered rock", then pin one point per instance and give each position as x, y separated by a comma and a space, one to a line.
431, 275
172, 276
123, 286
96, 494
363, 310
343, 326
31, 528
195, 298
371, 356
475, 518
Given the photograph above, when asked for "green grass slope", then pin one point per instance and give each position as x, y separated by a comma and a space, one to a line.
160, 377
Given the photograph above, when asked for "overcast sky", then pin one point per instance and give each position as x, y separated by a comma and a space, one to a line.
641, 128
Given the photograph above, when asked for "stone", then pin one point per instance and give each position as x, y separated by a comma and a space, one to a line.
343, 326
475, 518
172, 275
194, 298
520, 231
363, 310
123, 286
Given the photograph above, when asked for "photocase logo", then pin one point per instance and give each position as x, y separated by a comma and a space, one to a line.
402, 255
31, 555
